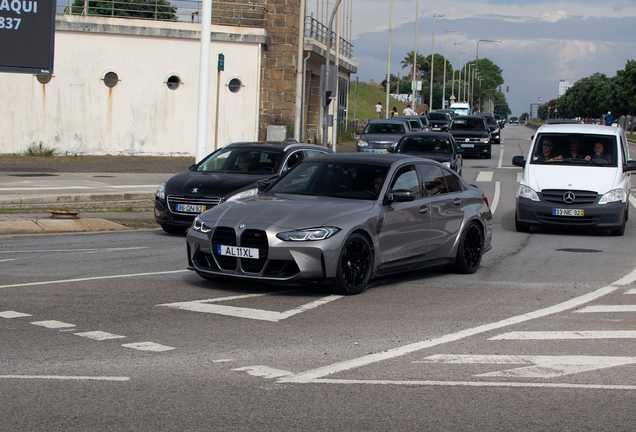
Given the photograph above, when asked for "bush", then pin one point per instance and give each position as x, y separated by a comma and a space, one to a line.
39, 150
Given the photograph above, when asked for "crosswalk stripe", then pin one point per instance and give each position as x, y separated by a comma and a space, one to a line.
565, 335
485, 176
53, 324
13, 314
631, 291
148, 346
99, 335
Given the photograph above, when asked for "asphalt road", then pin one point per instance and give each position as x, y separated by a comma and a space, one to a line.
108, 332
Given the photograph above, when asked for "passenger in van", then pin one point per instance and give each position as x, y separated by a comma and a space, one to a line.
574, 150
547, 153
599, 152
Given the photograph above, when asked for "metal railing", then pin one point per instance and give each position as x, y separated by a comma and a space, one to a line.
316, 30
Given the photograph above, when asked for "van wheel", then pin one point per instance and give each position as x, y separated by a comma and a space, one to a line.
519, 226
620, 230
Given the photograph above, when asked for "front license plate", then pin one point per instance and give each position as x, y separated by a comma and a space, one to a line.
436, 128
237, 252
383, 151
567, 212
190, 208
468, 145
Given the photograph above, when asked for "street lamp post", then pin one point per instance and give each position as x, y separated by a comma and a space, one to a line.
414, 79
325, 104
446, 32
485, 40
430, 101
453, 86
461, 68
467, 83
388, 66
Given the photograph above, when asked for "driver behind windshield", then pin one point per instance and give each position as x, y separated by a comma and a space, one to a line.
599, 152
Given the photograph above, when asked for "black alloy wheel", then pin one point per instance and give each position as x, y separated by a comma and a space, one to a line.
471, 249
354, 266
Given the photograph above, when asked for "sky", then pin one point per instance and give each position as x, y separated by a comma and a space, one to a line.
544, 41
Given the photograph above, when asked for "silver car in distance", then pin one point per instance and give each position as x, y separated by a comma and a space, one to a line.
343, 219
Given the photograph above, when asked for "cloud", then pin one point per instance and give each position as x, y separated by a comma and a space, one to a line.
553, 17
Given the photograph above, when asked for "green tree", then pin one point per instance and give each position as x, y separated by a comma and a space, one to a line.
524, 116
625, 89
144, 9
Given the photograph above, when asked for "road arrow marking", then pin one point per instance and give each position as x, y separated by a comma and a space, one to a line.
538, 366
209, 306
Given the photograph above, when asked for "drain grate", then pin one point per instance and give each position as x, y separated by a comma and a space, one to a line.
34, 175
579, 250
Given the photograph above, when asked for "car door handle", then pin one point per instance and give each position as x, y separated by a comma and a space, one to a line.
457, 202
424, 210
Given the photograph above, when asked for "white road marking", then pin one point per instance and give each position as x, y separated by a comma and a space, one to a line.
501, 153
92, 278
264, 371
484, 176
537, 366
315, 374
53, 324
631, 291
61, 377
612, 308
10, 259
148, 346
13, 314
632, 200
205, 306
495, 199
519, 175
565, 335
99, 335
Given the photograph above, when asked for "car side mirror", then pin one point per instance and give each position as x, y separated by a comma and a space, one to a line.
629, 166
261, 185
192, 167
521, 162
401, 195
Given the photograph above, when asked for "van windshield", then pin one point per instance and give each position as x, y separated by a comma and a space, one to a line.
575, 149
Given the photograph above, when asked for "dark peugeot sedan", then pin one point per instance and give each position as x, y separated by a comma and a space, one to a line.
379, 135
439, 146
439, 120
228, 174
472, 134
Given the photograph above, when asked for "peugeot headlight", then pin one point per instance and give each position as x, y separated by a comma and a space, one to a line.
526, 192
199, 225
362, 143
161, 191
447, 164
244, 194
612, 196
309, 234
485, 140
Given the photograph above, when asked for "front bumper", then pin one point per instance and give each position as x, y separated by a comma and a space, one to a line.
535, 213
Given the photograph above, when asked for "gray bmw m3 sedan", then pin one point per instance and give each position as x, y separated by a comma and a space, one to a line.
343, 219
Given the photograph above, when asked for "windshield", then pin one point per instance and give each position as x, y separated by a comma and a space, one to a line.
468, 124
384, 128
424, 145
575, 149
438, 116
242, 160
460, 111
333, 179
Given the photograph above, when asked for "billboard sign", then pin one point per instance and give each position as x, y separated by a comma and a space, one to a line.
27, 36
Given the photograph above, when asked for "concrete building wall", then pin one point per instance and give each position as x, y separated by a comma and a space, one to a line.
76, 113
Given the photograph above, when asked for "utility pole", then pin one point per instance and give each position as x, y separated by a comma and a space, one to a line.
430, 101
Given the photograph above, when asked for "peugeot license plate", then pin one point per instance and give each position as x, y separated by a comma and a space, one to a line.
382, 151
237, 252
567, 212
190, 208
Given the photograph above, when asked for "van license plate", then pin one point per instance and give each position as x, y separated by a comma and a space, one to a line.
238, 252
567, 212
468, 145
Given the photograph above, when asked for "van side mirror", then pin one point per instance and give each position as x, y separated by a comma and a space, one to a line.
630, 166
519, 161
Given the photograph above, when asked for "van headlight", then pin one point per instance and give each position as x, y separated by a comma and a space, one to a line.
612, 196
362, 143
526, 192
199, 225
245, 194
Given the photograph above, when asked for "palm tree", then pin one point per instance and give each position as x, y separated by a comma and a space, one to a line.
408, 62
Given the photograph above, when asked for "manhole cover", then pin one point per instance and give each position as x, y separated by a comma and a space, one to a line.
34, 175
579, 250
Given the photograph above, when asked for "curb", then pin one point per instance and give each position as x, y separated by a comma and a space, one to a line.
76, 198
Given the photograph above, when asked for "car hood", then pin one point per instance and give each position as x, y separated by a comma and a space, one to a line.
285, 211
588, 178
211, 184
439, 157
381, 137
469, 134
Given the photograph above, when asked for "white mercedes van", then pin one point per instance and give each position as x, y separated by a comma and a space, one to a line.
575, 175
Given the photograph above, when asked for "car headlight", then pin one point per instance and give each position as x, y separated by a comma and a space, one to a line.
526, 192
612, 196
309, 234
199, 225
447, 164
485, 140
161, 191
362, 143
244, 194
